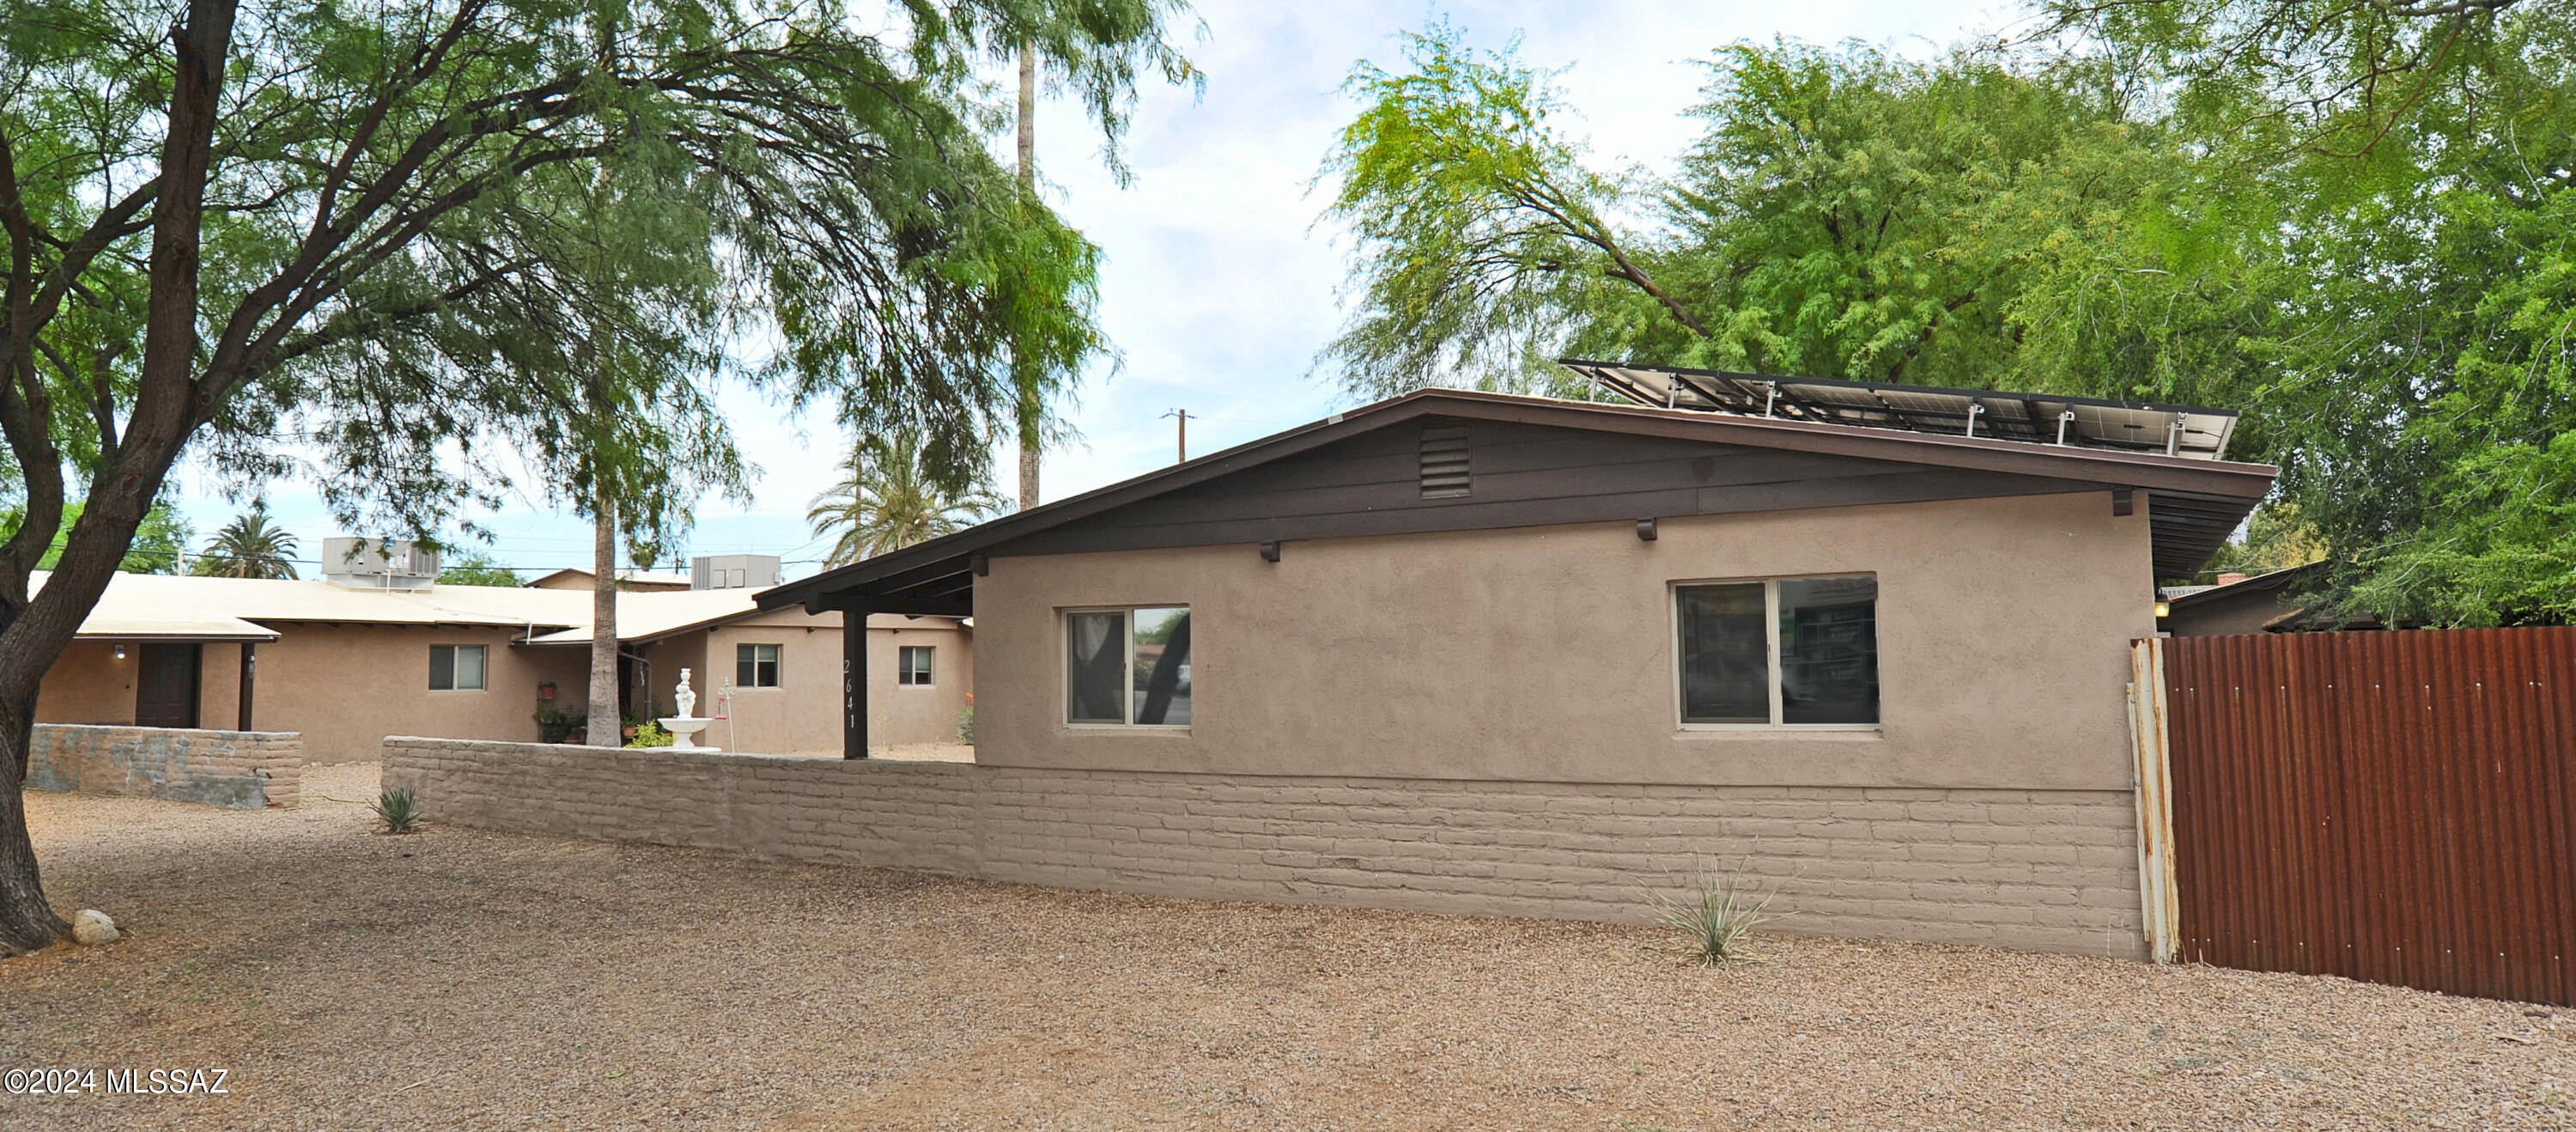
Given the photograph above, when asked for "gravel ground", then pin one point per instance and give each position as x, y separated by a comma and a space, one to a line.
458, 979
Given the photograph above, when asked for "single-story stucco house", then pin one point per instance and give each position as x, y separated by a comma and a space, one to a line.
347, 665
1877, 636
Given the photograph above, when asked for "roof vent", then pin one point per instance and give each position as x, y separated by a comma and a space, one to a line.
1444, 461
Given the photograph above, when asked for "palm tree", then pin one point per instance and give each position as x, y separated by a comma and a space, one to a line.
889, 501
248, 547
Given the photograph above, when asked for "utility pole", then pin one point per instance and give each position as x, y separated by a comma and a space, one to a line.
1182, 416
1032, 410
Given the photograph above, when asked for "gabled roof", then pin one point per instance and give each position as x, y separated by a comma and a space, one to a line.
2196, 503
2185, 597
176, 598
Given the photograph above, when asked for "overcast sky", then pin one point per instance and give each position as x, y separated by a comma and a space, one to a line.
1219, 286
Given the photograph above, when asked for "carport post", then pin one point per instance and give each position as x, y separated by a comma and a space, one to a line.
854, 682
249, 678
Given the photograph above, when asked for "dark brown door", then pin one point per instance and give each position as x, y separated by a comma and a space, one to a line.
165, 691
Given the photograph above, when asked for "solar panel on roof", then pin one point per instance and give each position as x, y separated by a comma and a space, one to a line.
2040, 418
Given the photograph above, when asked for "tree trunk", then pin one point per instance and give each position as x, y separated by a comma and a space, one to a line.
1032, 409
167, 403
604, 720
27, 923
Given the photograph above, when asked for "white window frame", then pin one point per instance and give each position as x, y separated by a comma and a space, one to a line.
1770, 648
929, 667
1064, 674
482, 668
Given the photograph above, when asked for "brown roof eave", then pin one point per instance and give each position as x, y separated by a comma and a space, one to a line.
947, 554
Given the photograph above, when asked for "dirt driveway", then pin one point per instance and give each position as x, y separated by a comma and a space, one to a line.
458, 979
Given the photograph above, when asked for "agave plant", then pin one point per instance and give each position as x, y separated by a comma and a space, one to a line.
398, 809
1713, 916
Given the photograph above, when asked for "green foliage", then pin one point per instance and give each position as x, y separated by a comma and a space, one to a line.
555, 725
650, 734
1480, 233
2355, 223
248, 547
895, 495
2275, 539
442, 241
474, 568
966, 727
1847, 214
397, 810
160, 543
1713, 916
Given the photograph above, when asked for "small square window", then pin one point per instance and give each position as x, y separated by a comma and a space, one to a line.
755, 666
912, 664
456, 668
1128, 666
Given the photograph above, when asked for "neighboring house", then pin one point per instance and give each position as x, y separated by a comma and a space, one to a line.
2237, 604
2263, 603
632, 580
782, 670
348, 666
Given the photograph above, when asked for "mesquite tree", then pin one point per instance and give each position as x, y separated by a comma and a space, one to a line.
283, 236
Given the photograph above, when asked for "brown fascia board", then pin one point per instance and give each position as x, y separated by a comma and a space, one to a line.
934, 558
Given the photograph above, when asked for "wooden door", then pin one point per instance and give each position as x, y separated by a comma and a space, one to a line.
165, 691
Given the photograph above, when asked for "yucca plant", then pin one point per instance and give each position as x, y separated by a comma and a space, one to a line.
398, 809
1713, 916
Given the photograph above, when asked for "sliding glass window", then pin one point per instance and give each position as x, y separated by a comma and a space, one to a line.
1786, 652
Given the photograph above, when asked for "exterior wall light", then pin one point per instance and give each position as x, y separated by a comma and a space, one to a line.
120, 652
2164, 609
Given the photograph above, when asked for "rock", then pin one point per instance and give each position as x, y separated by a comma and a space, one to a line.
93, 927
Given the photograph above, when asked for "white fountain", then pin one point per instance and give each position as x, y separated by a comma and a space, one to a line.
685, 726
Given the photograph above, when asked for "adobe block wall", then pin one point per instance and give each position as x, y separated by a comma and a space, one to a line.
2052, 870
243, 770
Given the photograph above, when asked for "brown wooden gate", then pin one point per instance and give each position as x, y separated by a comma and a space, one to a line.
2393, 807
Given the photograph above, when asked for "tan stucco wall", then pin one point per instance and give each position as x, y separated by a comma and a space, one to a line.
803, 714
346, 687
1546, 654
89, 685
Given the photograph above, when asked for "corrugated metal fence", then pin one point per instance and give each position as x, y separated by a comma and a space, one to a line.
2393, 807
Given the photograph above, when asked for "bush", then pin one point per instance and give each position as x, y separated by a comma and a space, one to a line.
555, 725
397, 809
966, 727
649, 734
1713, 916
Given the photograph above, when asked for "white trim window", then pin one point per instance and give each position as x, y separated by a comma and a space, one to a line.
1127, 667
456, 668
1778, 652
912, 666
